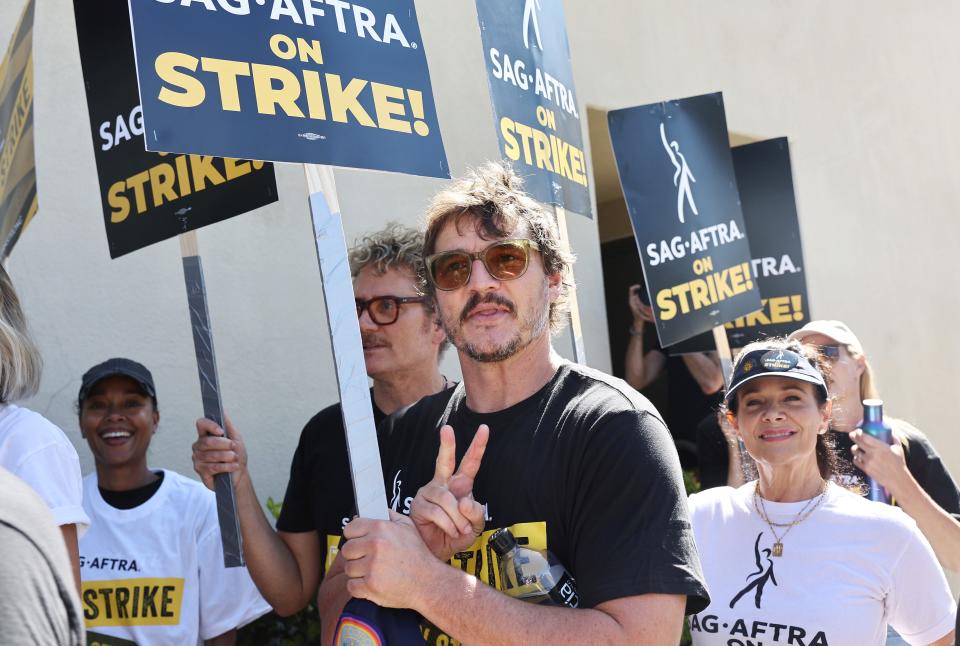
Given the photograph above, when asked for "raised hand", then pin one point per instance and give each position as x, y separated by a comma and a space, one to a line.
214, 452
444, 511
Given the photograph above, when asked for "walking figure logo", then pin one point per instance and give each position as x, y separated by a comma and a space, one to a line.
760, 577
682, 177
530, 9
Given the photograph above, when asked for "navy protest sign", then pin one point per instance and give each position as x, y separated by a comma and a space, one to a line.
765, 182
538, 125
677, 176
18, 172
148, 197
342, 83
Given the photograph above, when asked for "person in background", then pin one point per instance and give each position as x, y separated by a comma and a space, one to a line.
402, 345
31, 447
39, 603
910, 469
793, 553
694, 380
152, 561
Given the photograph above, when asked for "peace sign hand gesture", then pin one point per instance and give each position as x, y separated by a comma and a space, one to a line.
447, 517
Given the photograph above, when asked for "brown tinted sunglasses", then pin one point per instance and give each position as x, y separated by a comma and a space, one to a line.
503, 260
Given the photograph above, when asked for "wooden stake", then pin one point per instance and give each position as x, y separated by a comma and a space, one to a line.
576, 331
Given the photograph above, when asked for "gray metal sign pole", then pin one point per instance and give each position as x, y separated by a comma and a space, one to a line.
230, 535
351, 371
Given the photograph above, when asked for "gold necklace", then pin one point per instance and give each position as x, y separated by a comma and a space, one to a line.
801, 516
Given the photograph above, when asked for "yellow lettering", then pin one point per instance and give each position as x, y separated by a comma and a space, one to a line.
162, 178
118, 202
511, 147
386, 105
191, 91
139, 196
268, 96
314, 92
344, 100
668, 309
309, 51
780, 309
235, 168
227, 73
541, 149
203, 169
698, 294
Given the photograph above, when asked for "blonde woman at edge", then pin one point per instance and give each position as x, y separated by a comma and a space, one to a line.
32, 447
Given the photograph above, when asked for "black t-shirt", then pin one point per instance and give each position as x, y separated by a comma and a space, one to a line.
319, 494
584, 468
923, 461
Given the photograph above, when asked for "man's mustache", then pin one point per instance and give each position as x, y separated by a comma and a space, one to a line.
373, 340
476, 299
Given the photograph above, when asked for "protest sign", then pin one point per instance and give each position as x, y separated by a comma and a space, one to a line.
677, 177
148, 197
538, 125
342, 83
18, 172
765, 182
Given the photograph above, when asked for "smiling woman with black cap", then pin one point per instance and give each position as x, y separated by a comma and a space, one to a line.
792, 557
151, 563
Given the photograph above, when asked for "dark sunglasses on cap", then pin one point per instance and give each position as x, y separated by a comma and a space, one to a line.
384, 310
830, 352
504, 260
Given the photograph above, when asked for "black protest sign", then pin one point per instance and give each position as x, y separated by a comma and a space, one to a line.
677, 177
148, 197
765, 181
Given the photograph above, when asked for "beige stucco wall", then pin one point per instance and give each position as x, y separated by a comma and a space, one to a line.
865, 90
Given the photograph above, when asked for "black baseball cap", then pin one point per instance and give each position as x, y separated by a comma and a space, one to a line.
117, 367
777, 362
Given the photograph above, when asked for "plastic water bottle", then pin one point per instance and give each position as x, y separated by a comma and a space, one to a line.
874, 425
532, 575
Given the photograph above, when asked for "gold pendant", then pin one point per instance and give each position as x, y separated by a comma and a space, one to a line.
777, 549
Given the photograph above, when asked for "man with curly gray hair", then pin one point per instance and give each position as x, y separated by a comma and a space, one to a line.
561, 455
402, 343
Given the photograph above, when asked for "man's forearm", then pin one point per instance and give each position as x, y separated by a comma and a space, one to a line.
472, 612
331, 599
271, 563
705, 371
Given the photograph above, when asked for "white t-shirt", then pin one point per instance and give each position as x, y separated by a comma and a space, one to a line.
36, 451
154, 574
848, 570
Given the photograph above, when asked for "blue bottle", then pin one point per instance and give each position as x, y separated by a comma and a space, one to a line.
874, 425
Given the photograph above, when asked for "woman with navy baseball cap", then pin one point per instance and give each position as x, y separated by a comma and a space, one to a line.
151, 563
792, 555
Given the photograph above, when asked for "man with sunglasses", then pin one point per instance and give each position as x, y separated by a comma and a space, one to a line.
566, 457
402, 344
